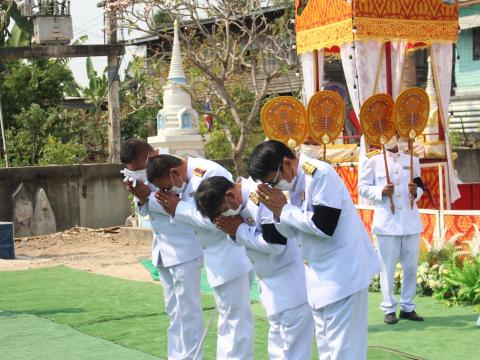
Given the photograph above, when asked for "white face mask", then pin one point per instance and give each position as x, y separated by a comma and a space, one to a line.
232, 212
283, 185
391, 144
141, 175
175, 189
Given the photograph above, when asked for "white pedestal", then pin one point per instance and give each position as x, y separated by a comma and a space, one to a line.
179, 145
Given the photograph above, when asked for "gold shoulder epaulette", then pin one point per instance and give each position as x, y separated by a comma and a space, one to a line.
406, 151
309, 168
199, 172
373, 153
254, 198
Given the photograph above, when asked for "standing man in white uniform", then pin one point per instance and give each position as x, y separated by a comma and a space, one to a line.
177, 254
228, 267
398, 234
237, 211
339, 258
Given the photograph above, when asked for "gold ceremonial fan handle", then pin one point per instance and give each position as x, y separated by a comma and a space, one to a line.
412, 110
325, 117
284, 118
376, 119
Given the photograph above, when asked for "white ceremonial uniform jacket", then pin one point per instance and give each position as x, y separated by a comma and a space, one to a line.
279, 268
372, 179
172, 244
339, 265
224, 261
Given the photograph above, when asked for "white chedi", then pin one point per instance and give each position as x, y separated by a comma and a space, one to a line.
178, 131
177, 116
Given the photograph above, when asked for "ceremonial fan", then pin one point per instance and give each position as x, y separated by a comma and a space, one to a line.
285, 119
376, 117
325, 117
411, 116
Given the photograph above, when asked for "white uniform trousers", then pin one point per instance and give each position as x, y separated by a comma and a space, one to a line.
181, 289
341, 328
291, 334
235, 322
391, 249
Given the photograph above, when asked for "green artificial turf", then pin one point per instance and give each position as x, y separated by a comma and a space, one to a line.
25, 336
204, 286
131, 314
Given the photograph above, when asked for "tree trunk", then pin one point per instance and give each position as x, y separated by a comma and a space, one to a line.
240, 166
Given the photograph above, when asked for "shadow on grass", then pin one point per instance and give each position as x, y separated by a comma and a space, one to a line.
459, 322
51, 311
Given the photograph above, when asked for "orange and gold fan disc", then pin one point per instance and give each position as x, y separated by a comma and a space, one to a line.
285, 119
412, 109
326, 116
376, 118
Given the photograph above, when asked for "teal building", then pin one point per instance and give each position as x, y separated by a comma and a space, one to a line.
467, 69
465, 104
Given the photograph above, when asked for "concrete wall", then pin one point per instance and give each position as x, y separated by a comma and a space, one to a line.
85, 195
468, 165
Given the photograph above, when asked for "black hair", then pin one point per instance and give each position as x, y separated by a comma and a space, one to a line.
267, 157
210, 194
159, 166
132, 149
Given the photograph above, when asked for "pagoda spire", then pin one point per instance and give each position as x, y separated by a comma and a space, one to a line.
176, 74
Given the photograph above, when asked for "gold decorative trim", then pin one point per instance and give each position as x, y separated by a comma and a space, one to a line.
430, 143
342, 146
325, 36
426, 31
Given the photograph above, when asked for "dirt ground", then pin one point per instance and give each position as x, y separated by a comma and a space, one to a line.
102, 251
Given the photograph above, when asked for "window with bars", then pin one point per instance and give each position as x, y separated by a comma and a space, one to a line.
476, 43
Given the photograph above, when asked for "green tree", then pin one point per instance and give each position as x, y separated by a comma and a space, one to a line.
141, 98
95, 121
41, 82
33, 126
19, 148
56, 152
22, 30
218, 146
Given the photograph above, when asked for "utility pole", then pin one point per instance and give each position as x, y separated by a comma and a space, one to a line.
4, 141
113, 90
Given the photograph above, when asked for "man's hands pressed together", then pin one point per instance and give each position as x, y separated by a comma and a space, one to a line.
273, 199
229, 225
168, 200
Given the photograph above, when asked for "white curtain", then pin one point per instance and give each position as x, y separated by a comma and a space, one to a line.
360, 61
441, 54
308, 74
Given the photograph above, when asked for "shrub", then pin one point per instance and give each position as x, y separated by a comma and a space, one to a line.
461, 282
58, 153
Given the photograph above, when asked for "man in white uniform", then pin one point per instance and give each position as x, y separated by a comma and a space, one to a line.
236, 210
339, 258
177, 254
228, 267
398, 234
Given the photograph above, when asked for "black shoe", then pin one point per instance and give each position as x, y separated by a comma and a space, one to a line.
412, 315
390, 319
